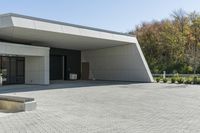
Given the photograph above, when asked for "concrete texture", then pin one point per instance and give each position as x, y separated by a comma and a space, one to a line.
15, 27
36, 61
106, 107
122, 63
37, 70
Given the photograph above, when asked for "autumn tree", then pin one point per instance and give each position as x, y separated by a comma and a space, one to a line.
195, 39
171, 44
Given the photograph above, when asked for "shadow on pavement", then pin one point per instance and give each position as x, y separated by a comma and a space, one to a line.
59, 85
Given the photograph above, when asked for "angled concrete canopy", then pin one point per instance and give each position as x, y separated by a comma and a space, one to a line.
36, 31
111, 55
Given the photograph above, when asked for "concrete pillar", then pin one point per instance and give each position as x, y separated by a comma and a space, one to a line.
37, 70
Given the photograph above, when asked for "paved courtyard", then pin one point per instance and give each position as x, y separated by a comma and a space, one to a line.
105, 107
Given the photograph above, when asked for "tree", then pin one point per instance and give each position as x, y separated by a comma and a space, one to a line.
171, 44
180, 20
195, 38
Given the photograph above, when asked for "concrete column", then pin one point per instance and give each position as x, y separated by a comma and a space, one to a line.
37, 70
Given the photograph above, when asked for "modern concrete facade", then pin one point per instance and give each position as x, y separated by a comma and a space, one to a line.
57, 49
36, 61
125, 63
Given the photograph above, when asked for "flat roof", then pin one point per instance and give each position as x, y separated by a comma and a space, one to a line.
49, 33
64, 23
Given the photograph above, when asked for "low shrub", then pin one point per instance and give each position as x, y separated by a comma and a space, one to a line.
173, 80
195, 80
188, 81
165, 80
180, 80
158, 79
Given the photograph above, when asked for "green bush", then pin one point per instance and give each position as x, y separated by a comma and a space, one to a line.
180, 80
198, 69
198, 81
188, 81
165, 80
189, 69
195, 80
158, 79
173, 80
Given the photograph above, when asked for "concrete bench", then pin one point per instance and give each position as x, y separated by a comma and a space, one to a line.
11, 104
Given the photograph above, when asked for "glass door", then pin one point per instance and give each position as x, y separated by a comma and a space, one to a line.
12, 69
20, 73
5, 69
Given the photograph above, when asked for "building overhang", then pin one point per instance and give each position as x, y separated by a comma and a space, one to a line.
42, 32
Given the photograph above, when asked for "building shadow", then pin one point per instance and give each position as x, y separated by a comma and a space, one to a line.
59, 85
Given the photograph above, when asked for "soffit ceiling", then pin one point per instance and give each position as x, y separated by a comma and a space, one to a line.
35, 31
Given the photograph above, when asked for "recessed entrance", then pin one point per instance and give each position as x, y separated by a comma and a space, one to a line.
65, 64
56, 69
13, 69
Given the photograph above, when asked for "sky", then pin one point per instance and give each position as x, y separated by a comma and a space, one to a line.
115, 15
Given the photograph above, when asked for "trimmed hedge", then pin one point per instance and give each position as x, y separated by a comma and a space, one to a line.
179, 80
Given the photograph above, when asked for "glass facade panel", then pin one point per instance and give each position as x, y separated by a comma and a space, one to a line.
12, 69
20, 70
5, 69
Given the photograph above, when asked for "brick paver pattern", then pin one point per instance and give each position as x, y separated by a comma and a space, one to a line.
105, 107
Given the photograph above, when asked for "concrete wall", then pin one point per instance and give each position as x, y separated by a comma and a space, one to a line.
124, 63
5, 21
70, 29
36, 61
37, 70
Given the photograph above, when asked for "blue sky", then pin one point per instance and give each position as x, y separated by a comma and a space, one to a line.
116, 15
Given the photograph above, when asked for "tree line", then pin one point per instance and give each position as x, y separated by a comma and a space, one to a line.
173, 44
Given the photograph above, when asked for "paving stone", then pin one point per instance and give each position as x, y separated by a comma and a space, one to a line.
105, 107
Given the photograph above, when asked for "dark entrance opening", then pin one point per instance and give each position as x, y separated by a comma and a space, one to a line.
63, 63
12, 69
56, 67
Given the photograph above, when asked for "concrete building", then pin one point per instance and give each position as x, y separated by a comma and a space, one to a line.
35, 51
